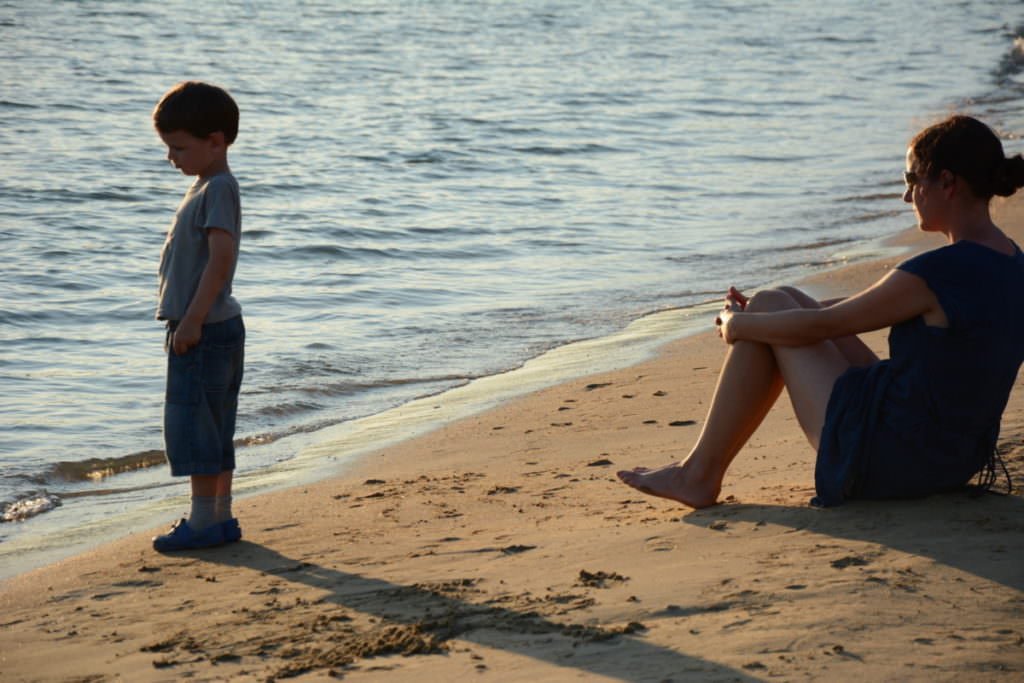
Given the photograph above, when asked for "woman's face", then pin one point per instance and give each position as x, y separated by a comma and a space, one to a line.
920, 192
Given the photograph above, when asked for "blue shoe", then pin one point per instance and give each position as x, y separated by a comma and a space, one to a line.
230, 529
183, 537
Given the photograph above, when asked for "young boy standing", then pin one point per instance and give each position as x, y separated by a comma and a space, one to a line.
205, 334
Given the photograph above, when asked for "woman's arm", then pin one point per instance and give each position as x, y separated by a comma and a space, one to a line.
897, 297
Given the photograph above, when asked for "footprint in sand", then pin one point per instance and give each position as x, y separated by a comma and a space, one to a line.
658, 545
849, 561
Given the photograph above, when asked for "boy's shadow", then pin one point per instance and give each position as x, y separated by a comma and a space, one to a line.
440, 609
983, 536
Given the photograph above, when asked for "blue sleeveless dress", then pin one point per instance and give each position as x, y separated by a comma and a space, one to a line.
927, 419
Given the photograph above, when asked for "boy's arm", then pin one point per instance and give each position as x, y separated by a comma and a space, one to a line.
215, 274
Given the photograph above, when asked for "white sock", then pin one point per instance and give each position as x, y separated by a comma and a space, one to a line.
222, 508
202, 514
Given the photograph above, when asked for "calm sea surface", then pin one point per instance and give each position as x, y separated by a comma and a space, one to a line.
434, 192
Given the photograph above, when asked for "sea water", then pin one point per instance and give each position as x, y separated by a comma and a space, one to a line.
435, 193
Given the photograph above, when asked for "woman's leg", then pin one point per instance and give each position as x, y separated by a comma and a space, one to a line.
749, 384
855, 350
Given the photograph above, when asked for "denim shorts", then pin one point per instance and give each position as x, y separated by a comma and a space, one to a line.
201, 402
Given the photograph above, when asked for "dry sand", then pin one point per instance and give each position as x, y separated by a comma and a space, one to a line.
502, 548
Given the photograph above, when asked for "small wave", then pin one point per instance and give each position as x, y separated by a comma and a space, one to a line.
35, 504
271, 437
590, 99
285, 409
844, 40
103, 12
272, 188
8, 104
350, 233
868, 217
817, 244
519, 130
69, 106
335, 251
66, 196
998, 97
9, 317
256, 234
1012, 62
101, 468
877, 196
802, 265
725, 113
547, 150
697, 257
772, 159
400, 381
426, 158
377, 213
353, 388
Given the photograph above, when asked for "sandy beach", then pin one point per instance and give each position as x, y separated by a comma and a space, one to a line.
503, 548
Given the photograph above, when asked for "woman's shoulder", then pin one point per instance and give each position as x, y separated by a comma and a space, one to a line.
935, 258
964, 254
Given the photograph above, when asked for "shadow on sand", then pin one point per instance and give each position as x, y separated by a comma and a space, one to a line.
423, 618
983, 536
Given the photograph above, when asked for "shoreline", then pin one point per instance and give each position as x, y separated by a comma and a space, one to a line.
501, 545
339, 448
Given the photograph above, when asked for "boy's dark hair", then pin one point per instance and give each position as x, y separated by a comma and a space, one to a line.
199, 109
968, 148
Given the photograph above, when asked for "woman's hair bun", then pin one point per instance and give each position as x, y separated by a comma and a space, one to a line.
1008, 176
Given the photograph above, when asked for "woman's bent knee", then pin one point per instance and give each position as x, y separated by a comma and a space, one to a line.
803, 299
772, 300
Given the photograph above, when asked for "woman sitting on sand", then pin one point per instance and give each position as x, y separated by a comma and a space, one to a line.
923, 421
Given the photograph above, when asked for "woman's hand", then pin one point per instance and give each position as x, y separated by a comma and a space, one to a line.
738, 297
735, 302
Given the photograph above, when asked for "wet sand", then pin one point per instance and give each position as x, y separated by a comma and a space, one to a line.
502, 547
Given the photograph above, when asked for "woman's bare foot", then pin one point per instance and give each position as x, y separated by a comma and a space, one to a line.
676, 482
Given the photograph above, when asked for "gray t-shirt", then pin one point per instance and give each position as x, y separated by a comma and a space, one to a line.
210, 203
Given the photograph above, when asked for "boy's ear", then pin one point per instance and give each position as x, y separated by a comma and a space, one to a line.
217, 138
